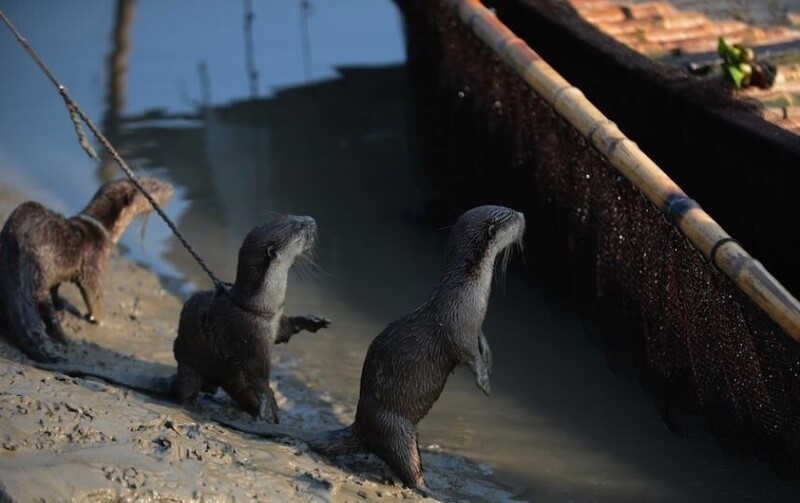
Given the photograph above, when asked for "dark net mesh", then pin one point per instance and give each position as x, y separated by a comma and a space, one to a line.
662, 313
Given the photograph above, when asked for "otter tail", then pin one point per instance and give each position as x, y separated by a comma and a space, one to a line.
159, 387
19, 311
337, 442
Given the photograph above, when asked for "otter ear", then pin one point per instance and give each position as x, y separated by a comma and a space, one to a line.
271, 251
492, 230
129, 195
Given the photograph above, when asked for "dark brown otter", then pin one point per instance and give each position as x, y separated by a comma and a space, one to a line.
40, 249
225, 337
407, 365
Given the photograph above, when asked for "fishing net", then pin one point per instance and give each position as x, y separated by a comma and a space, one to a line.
661, 312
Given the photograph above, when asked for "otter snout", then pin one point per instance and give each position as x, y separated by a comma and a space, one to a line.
513, 229
520, 217
305, 222
308, 227
161, 191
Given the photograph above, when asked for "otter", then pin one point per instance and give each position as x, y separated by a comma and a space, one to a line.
225, 337
40, 249
407, 365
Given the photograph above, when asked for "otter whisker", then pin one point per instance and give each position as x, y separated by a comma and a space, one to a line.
501, 265
520, 247
308, 267
143, 228
271, 213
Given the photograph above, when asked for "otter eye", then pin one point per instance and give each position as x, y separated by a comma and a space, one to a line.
492, 230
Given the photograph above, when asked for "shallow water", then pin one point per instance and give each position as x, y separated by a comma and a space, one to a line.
332, 144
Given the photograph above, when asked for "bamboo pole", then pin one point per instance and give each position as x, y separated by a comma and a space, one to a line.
569, 102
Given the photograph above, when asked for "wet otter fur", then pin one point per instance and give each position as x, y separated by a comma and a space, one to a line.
40, 249
225, 337
408, 364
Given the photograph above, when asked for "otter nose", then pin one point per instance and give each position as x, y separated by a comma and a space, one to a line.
305, 221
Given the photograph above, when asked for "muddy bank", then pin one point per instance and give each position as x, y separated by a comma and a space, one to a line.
65, 438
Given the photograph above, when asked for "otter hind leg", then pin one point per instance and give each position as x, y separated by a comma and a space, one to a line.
29, 335
56, 299
398, 447
253, 396
48, 312
188, 384
24, 324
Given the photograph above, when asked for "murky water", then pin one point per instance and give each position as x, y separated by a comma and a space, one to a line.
327, 138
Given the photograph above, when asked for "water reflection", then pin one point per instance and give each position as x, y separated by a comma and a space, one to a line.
118, 65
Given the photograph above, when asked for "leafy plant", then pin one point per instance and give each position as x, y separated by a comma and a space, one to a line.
740, 66
737, 62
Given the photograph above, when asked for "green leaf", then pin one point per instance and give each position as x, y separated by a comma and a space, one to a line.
736, 55
722, 49
735, 74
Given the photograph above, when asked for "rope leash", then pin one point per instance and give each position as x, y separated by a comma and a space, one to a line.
78, 116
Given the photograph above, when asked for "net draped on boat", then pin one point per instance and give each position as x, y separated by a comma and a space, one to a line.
661, 312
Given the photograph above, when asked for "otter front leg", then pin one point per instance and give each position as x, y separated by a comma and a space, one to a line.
290, 325
91, 297
481, 365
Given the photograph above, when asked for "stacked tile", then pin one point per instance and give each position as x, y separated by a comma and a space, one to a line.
659, 29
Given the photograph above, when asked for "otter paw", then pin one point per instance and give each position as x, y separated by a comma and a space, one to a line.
267, 414
92, 319
484, 385
194, 406
312, 322
267, 409
58, 335
485, 352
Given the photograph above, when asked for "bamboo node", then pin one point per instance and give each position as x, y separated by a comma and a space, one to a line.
597, 125
712, 255
678, 206
557, 95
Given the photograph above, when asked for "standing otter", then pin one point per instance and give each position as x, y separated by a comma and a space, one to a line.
407, 365
225, 336
40, 249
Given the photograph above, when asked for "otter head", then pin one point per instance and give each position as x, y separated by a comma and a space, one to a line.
118, 202
481, 233
267, 253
